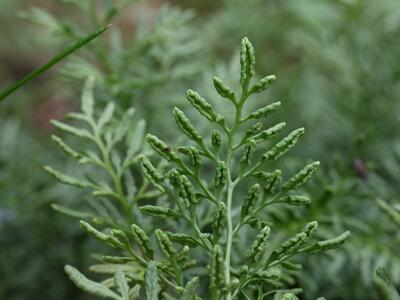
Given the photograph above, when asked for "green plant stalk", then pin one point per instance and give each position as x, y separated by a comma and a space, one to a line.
231, 184
115, 176
79, 44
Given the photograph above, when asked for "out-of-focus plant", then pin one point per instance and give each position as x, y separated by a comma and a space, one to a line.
29, 231
386, 288
28, 214
24, 208
358, 123
151, 52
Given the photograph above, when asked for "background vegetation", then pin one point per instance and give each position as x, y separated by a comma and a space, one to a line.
339, 69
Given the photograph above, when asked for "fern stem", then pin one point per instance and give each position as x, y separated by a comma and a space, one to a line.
231, 186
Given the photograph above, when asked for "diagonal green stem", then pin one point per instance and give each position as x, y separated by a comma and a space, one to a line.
8, 91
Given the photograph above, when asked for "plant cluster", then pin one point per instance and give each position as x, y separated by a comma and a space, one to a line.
227, 250
327, 85
165, 48
330, 54
150, 51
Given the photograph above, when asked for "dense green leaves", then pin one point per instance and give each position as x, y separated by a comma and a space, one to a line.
190, 205
326, 85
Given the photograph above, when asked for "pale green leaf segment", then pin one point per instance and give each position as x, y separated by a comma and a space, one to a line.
90, 286
393, 213
384, 285
201, 221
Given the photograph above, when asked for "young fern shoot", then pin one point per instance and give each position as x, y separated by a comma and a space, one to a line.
233, 154
213, 242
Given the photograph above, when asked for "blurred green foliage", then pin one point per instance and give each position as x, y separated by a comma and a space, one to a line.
341, 73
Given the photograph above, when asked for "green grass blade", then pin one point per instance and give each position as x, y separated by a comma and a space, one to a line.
51, 62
